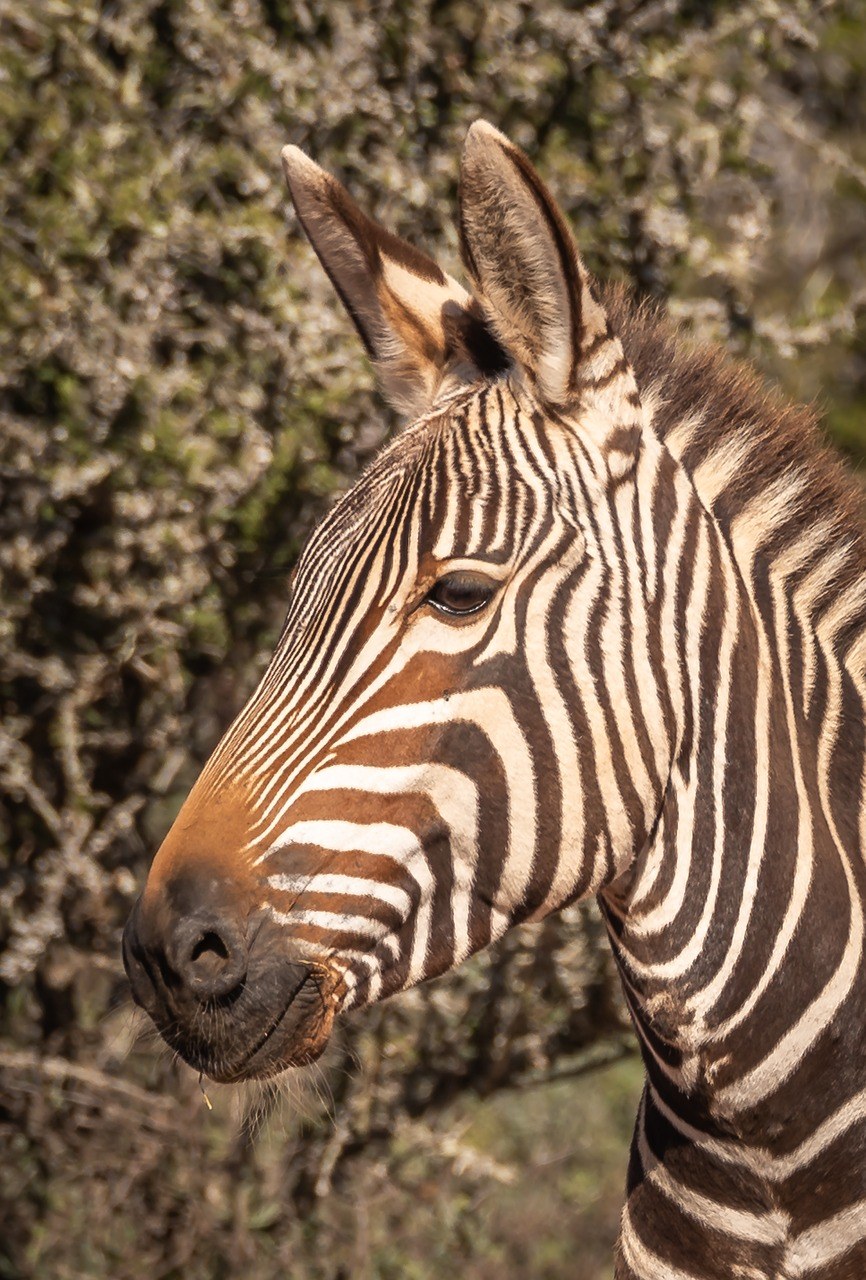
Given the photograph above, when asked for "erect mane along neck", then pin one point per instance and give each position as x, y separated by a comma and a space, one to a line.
759, 465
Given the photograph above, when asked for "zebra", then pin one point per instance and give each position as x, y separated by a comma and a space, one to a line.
593, 623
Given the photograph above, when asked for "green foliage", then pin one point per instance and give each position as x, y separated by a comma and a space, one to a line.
179, 396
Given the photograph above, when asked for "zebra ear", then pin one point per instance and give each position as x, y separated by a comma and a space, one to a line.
418, 325
537, 294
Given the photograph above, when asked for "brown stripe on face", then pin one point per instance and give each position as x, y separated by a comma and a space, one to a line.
370, 906
304, 861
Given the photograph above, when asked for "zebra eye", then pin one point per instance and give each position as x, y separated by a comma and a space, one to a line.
461, 593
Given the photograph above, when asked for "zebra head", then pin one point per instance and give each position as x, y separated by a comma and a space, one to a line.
445, 741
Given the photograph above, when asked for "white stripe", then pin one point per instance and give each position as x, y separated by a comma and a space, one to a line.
346, 886
642, 1261
827, 1241
769, 1074
759, 1160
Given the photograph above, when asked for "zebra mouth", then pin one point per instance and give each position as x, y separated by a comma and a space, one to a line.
295, 1038
229, 1041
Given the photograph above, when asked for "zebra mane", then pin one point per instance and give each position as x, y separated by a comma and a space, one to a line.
759, 462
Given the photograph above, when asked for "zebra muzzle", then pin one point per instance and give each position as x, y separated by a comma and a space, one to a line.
227, 994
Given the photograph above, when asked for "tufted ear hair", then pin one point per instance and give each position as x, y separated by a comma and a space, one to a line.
421, 329
538, 296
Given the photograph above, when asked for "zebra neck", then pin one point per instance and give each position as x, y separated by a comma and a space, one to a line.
739, 932
740, 929
749, 1154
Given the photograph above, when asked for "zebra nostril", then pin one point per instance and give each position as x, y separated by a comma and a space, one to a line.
186, 945
211, 960
209, 957
209, 945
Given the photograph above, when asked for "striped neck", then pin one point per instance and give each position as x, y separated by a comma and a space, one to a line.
739, 931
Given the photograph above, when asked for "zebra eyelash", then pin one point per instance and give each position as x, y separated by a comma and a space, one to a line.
461, 593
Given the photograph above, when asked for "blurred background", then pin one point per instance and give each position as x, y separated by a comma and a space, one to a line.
181, 397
